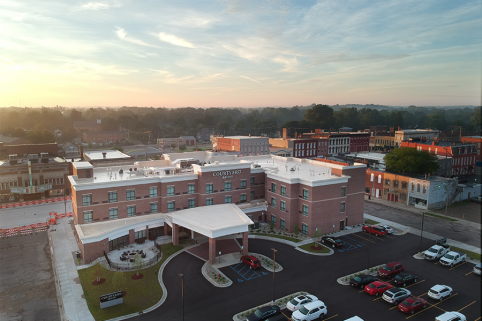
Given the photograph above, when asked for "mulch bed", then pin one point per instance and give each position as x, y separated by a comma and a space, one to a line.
137, 277
101, 280
124, 293
316, 248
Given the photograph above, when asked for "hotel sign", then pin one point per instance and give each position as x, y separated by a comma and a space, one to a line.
227, 174
110, 299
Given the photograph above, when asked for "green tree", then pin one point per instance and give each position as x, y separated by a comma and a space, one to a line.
476, 118
97, 271
411, 160
297, 229
320, 114
69, 134
223, 126
138, 263
75, 115
119, 148
182, 148
317, 234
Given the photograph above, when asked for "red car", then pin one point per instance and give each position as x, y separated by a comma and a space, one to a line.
412, 305
251, 261
377, 287
374, 229
390, 270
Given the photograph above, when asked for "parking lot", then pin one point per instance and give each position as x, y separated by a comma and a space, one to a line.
241, 272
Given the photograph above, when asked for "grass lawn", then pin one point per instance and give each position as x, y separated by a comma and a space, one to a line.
441, 216
140, 294
371, 222
307, 247
470, 254
292, 239
462, 203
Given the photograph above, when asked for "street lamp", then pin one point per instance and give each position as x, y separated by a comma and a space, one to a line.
274, 263
421, 233
369, 247
182, 293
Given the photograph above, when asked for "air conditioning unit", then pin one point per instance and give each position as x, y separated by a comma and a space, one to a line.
44, 155
32, 156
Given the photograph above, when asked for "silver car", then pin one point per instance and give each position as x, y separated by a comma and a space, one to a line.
388, 229
396, 295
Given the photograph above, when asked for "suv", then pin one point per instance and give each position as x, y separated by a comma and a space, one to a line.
391, 269
451, 316
362, 280
251, 261
404, 278
439, 292
396, 295
310, 311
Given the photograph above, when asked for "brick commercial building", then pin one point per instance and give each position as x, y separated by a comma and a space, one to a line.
8, 140
99, 137
91, 126
26, 149
178, 195
342, 142
243, 145
413, 135
477, 141
299, 147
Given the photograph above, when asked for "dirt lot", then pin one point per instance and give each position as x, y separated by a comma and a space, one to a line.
470, 211
27, 288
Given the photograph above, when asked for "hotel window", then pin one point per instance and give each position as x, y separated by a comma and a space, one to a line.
342, 207
171, 191
252, 181
131, 210
191, 203
404, 185
227, 199
130, 195
244, 198
87, 199
343, 191
153, 207
191, 189
273, 219
306, 194
282, 224
273, 202
304, 228
227, 186
140, 234
252, 195
112, 197
305, 210
273, 187
209, 201
243, 184
282, 206
152, 191
283, 190
209, 188
88, 216
171, 206
113, 213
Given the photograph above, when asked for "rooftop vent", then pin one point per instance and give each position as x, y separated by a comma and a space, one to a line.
44, 155
32, 156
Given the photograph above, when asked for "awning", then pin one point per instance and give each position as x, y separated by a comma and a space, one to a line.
154, 225
137, 229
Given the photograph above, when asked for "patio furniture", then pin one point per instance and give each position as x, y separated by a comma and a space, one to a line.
143, 255
132, 260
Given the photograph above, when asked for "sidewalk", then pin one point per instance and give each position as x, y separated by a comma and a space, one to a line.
72, 306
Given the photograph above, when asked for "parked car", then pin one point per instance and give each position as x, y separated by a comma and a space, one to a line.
477, 269
412, 305
362, 280
404, 278
436, 252
396, 295
388, 229
279, 317
263, 313
477, 199
328, 240
299, 301
378, 287
451, 316
439, 292
310, 311
355, 318
251, 261
452, 258
391, 269
374, 229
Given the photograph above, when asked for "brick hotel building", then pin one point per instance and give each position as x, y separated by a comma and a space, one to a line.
205, 194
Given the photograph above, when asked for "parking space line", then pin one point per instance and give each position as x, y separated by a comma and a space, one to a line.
286, 316
388, 236
422, 294
396, 306
477, 319
353, 240
331, 317
431, 306
466, 306
436, 262
363, 238
414, 284
437, 307
458, 265
469, 273
378, 298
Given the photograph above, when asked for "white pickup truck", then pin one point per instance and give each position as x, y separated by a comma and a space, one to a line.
452, 258
436, 252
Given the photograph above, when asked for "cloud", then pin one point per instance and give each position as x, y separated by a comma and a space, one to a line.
251, 79
344, 57
289, 63
99, 5
122, 34
173, 40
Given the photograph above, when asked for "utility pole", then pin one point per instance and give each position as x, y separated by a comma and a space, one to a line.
274, 265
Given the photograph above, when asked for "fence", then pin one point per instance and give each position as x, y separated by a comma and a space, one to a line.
33, 228
130, 266
43, 201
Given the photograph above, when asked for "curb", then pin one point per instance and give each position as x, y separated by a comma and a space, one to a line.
342, 282
63, 316
274, 239
268, 268
314, 253
204, 273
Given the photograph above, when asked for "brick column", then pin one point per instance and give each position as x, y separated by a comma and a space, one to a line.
175, 234
147, 232
245, 243
132, 237
212, 250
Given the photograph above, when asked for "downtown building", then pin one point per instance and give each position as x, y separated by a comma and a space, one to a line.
211, 195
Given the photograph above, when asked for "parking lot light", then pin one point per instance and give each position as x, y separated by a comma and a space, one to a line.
182, 293
274, 265
421, 233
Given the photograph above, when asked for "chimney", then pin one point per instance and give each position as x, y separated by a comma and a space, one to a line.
398, 127
296, 134
285, 133
249, 135
433, 143
317, 131
81, 152
104, 155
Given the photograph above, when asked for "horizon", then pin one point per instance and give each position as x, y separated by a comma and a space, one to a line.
116, 53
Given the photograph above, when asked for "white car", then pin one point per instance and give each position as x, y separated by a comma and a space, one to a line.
299, 301
451, 316
440, 292
388, 229
310, 311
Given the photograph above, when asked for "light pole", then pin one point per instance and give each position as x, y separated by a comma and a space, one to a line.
182, 293
274, 263
421, 233
369, 247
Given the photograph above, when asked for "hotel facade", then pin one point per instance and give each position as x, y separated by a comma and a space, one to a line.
213, 195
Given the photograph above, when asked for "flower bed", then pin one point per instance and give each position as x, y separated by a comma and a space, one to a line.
267, 263
215, 276
345, 280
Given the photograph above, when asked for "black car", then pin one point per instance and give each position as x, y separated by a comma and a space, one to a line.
331, 241
404, 278
362, 280
264, 313
278, 317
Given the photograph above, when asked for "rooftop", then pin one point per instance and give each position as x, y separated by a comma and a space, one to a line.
244, 137
372, 156
8, 139
109, 154
56, 160
103, 132
418, 130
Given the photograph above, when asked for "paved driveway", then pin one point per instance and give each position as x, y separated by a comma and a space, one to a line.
27, 288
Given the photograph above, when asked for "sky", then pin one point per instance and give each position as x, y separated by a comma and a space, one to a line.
240, 53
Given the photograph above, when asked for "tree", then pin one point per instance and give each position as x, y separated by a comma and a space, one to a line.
223, 126
319, 114
182, 148
271, 226
316, 235
69, 134
476, 119
75, 115
138, 263
297, 229
97, 271
119, 148
411, 160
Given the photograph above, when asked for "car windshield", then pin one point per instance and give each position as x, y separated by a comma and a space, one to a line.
258, 313
405, 302
432, 250
371, 285
386, 268
448, 256
337, 241
256, 262
398, 277
294, 301
304, 311
357, 278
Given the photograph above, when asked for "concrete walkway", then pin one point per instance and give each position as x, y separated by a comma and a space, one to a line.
72, 306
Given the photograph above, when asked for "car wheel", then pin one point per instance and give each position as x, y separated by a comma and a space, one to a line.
395, 303
441, 298
450, 294
323, 241
322, 316
424, 306
464, 259
404, 284
376, 294
411, 312
452, 265
361, 286
250, 267
415, 281
376, 234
